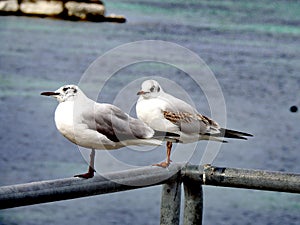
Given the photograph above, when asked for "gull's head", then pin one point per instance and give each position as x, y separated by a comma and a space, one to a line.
150, 89
65, 93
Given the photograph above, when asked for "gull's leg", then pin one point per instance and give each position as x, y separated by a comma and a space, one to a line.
169, 148
168, 161
91, 170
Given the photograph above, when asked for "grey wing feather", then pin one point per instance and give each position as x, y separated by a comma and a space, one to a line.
116, 125
192, 123
187, 118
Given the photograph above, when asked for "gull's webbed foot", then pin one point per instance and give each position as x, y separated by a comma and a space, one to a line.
89, 174
162, 164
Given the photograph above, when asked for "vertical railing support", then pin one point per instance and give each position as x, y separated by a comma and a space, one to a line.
170, 202
193, 201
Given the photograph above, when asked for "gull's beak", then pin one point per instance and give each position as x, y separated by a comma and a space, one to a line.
141, 93
49, 93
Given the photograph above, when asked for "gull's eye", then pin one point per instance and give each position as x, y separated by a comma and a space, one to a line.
152, 88
65, 89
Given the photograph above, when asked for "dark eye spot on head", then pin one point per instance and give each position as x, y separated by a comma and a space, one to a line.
75, 90
152, 88
158, 89
65, 88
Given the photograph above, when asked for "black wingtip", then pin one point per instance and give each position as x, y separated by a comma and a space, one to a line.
234, 134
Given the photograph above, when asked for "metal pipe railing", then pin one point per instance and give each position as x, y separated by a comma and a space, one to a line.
193, 177
71, 188
244, 178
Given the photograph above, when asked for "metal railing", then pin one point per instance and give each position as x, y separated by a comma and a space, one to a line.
192, 177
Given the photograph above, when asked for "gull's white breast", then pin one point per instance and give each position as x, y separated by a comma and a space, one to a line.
64, 120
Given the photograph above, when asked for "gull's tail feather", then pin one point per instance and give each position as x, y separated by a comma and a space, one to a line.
213, 138
226, 133
166, 136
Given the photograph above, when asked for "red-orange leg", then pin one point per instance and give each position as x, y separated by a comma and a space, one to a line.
168, 160
91, 169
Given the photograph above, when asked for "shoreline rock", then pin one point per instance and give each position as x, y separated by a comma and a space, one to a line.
74, 10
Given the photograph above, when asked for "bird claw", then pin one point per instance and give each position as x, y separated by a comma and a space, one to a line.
89, 174
162, 164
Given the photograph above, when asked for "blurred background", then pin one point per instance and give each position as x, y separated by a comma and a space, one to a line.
251, 47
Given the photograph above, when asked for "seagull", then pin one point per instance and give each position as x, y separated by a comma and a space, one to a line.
164, 112
98, 125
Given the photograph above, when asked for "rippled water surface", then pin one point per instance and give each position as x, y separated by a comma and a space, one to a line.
251, 47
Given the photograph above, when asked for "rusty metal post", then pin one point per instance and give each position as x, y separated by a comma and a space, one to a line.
193, 198
170, 202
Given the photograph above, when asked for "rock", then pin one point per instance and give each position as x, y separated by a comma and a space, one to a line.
115, 18
90, 10
49, 8
84, 10
9, 6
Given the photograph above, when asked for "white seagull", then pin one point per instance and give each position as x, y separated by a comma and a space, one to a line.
98, 126
164, 112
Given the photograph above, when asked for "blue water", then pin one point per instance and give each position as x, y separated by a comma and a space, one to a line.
251, 47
